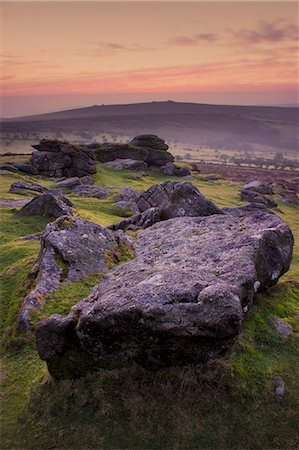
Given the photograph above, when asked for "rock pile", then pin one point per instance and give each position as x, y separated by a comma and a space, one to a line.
165, 201
181, 300
71, 249
57, 159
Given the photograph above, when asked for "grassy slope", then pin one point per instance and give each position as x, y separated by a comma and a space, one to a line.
229, 404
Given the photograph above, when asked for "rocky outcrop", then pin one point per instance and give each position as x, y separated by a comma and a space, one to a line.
57, 159
251, 196
71, 249
176, 199
289, 196
166, 201
48, 205
148, 148
181, 300
171, 170
19, 187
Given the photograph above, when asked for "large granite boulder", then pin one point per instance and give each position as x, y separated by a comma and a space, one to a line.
48, 205
71, 248
148, 148
181, 300
60, 159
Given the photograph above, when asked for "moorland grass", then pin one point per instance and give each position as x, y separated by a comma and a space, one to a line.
227, 404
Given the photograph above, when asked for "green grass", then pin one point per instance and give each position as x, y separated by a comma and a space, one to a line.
227, 404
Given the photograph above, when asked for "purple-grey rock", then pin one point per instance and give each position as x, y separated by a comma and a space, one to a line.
48, 205
71, 248
176, 200
250, 196
18, 187
57, 159
281, 327
130, 164
92, 191
181, 300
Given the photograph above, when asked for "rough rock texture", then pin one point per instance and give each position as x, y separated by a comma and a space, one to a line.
131, 164
247, 195
259, 187
140, 220
289, 196
18, 187
181, 300
166, 201
148, 148
71, 249
92, 191
283, 328
171, 169
56, 159
48, 205
176, 199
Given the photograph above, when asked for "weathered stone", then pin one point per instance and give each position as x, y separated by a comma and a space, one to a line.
18, 187
289, 196
48, 205
281, 327
279, 388
176, 200
259, 187
127, 194
148, 148
130, 164
109, 152
139, 220
71, 249
247, 195
56, 159
92, 191
181, 300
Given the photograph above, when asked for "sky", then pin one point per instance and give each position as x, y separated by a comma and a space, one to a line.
58, 55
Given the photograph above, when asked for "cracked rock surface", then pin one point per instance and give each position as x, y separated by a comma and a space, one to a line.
71, 248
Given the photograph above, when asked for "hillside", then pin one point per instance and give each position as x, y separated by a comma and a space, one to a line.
215, 126
132, 407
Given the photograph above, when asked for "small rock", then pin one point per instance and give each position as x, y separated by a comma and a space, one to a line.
92, 191
283, 328
279, 387
131, 164
247, 195
48, 205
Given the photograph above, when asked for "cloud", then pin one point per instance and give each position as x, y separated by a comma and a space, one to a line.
267, 32
112, 48
194, 39
242, 74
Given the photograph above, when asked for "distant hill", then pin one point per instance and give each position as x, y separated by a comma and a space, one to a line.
222, 126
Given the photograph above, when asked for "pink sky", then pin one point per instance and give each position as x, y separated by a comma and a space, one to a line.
58, 55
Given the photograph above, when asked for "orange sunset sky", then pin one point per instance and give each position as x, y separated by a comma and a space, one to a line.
57, 55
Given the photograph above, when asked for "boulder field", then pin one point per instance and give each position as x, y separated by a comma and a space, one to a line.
181, 300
